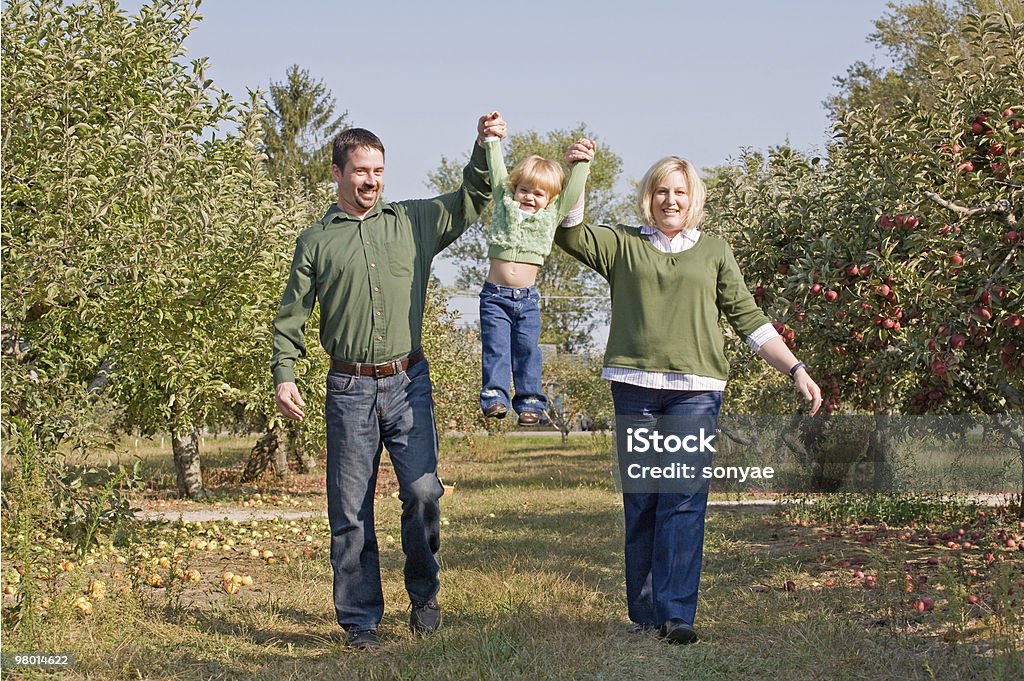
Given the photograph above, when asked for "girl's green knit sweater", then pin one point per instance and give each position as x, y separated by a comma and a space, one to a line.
519, 237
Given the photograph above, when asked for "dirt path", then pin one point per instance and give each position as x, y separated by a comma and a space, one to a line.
254, 514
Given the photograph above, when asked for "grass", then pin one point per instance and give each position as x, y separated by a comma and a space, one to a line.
532, 587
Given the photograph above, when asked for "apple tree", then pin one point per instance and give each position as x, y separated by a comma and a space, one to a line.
139, 240
894, 268
574, 382
454, 355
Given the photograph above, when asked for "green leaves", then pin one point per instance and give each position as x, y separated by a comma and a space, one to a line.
912, 265
132, 231
299, 128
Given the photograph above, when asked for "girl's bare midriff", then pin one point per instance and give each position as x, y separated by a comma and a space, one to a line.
512, 274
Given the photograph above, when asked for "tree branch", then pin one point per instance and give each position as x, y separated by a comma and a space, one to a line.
1001, 208
1011, 394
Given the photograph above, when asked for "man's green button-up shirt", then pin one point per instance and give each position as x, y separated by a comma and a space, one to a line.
370, 275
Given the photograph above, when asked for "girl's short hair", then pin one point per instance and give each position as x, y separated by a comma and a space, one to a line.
538, 171
657, 173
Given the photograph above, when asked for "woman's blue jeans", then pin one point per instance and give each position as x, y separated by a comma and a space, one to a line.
664, 530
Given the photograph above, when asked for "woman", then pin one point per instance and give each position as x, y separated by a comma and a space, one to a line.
665, 359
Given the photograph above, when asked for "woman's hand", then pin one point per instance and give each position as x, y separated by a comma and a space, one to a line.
781, 359
581, 150
808, 388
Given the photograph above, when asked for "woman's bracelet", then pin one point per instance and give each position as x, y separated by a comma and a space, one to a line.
796, 367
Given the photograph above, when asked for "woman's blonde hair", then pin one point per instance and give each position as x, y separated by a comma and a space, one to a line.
656, 175
538, 171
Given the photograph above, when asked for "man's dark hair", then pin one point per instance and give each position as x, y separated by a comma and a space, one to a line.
353, 137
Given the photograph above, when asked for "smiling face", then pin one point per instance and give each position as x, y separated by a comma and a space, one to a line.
535, 182
530, 198
361, 181
670, 203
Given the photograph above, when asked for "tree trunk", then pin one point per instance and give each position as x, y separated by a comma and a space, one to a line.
1013, 429
268, 450
1020, 506
880, 452
298, 449
280, 458
185, 445
559, 420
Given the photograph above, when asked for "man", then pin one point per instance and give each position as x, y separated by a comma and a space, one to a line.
368, 263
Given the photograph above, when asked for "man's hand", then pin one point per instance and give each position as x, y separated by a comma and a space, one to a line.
490, 125
580, 150
289, 401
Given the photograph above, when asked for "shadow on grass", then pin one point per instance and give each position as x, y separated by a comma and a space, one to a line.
531, 644
210, 622
536, 469
572, 543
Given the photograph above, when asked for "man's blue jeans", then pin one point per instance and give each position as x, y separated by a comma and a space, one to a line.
664, 531
363, 415
510, 335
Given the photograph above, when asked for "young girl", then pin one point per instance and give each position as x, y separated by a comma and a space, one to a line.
529, 204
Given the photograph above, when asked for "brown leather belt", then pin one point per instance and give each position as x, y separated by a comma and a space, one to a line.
382, 370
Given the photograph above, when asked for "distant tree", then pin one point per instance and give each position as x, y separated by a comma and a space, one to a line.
300, 127
578, 394
575, 300
454, 364
905, 33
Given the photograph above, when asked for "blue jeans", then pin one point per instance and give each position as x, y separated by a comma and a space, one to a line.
510, 335
664, 532
365, 414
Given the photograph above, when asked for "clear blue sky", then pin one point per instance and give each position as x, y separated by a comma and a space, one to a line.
649, 77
